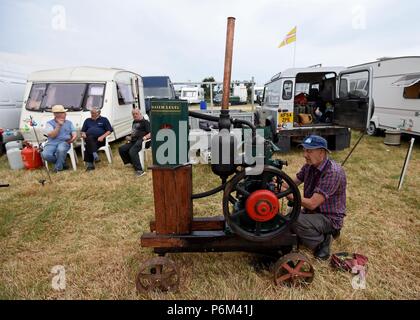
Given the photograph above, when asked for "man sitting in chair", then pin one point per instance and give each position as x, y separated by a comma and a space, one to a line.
61, 134
324, 198
129, 152
94, 131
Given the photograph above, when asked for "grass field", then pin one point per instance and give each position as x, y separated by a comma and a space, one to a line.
91, 223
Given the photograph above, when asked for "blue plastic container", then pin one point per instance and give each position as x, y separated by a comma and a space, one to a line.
203, 105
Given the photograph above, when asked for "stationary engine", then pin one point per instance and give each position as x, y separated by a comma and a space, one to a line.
254, 204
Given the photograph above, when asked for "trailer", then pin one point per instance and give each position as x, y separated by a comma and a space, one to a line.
396, 94
115, 91
192, 94
12, 87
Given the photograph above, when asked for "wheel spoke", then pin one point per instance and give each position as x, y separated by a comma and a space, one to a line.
284, 193
237, 214
257, 228
167, 275
287, 267
150, 277
284, 219
242, 191
265, 180
232, 199
284, 277
305, 274
299, 265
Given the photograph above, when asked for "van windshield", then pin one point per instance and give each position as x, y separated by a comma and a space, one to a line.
156, 92
73, 96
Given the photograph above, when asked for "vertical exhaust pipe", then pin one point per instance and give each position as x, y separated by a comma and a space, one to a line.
223, 145
228, 62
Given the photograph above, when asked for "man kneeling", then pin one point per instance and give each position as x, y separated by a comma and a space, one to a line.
324, 198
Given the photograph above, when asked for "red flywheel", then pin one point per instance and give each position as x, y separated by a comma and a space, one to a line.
262, 205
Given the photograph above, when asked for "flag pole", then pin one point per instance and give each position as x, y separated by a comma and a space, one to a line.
294, 50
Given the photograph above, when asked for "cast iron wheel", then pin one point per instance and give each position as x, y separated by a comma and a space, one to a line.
158, 273
263, 206
293, 269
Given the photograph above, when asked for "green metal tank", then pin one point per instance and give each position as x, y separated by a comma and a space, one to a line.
169, 122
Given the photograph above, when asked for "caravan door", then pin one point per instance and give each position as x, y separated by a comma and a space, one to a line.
353, 106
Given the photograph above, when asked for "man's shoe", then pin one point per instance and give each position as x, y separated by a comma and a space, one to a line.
323, 250
140, 173
65, 167
90, 166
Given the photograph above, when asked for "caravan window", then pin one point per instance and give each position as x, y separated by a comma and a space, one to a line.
411, 84
287, 90
70, 95
412, 92
189, 94
35, 96
125, 93
94, 96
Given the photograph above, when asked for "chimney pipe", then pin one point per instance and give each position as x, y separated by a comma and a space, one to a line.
228, 62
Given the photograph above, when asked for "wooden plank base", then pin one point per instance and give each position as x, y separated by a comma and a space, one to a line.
201, 224
213, 241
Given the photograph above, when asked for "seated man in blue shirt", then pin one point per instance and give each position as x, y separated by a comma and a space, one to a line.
94, 130
61, 133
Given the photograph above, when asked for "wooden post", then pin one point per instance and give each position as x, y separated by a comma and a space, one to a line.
407, 159
172, 188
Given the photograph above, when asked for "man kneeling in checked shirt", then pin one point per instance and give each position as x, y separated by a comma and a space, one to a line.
324, 197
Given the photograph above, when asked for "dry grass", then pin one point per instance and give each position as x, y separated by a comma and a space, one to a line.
91, 224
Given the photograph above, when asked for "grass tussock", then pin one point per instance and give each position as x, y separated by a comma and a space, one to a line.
91, 223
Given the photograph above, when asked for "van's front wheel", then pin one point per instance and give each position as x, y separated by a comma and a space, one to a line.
372, 130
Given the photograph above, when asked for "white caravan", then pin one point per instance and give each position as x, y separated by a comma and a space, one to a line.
240, 91
302, 101
12, 87
192, 94
396, 94
79, 89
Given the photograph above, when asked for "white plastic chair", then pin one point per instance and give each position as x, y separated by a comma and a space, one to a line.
71, 153
142, 153
106, 148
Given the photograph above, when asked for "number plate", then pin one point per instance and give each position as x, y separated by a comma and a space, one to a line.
285, 117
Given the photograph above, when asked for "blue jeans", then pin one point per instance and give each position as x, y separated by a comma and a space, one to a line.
56, 153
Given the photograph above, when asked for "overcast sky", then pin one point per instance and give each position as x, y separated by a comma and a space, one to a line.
185, 39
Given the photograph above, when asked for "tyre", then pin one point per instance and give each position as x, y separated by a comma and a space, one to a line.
372, 130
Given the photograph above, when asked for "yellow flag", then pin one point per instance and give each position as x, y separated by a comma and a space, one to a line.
290, 37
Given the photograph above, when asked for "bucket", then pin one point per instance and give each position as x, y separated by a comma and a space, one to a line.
13, 145
203, 105
392, 137
31, 158
305, 118
15, 159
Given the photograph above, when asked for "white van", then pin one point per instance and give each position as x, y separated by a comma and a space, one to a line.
240, 90
12, 88
396, 94
79, 89
192, 94
316, 100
